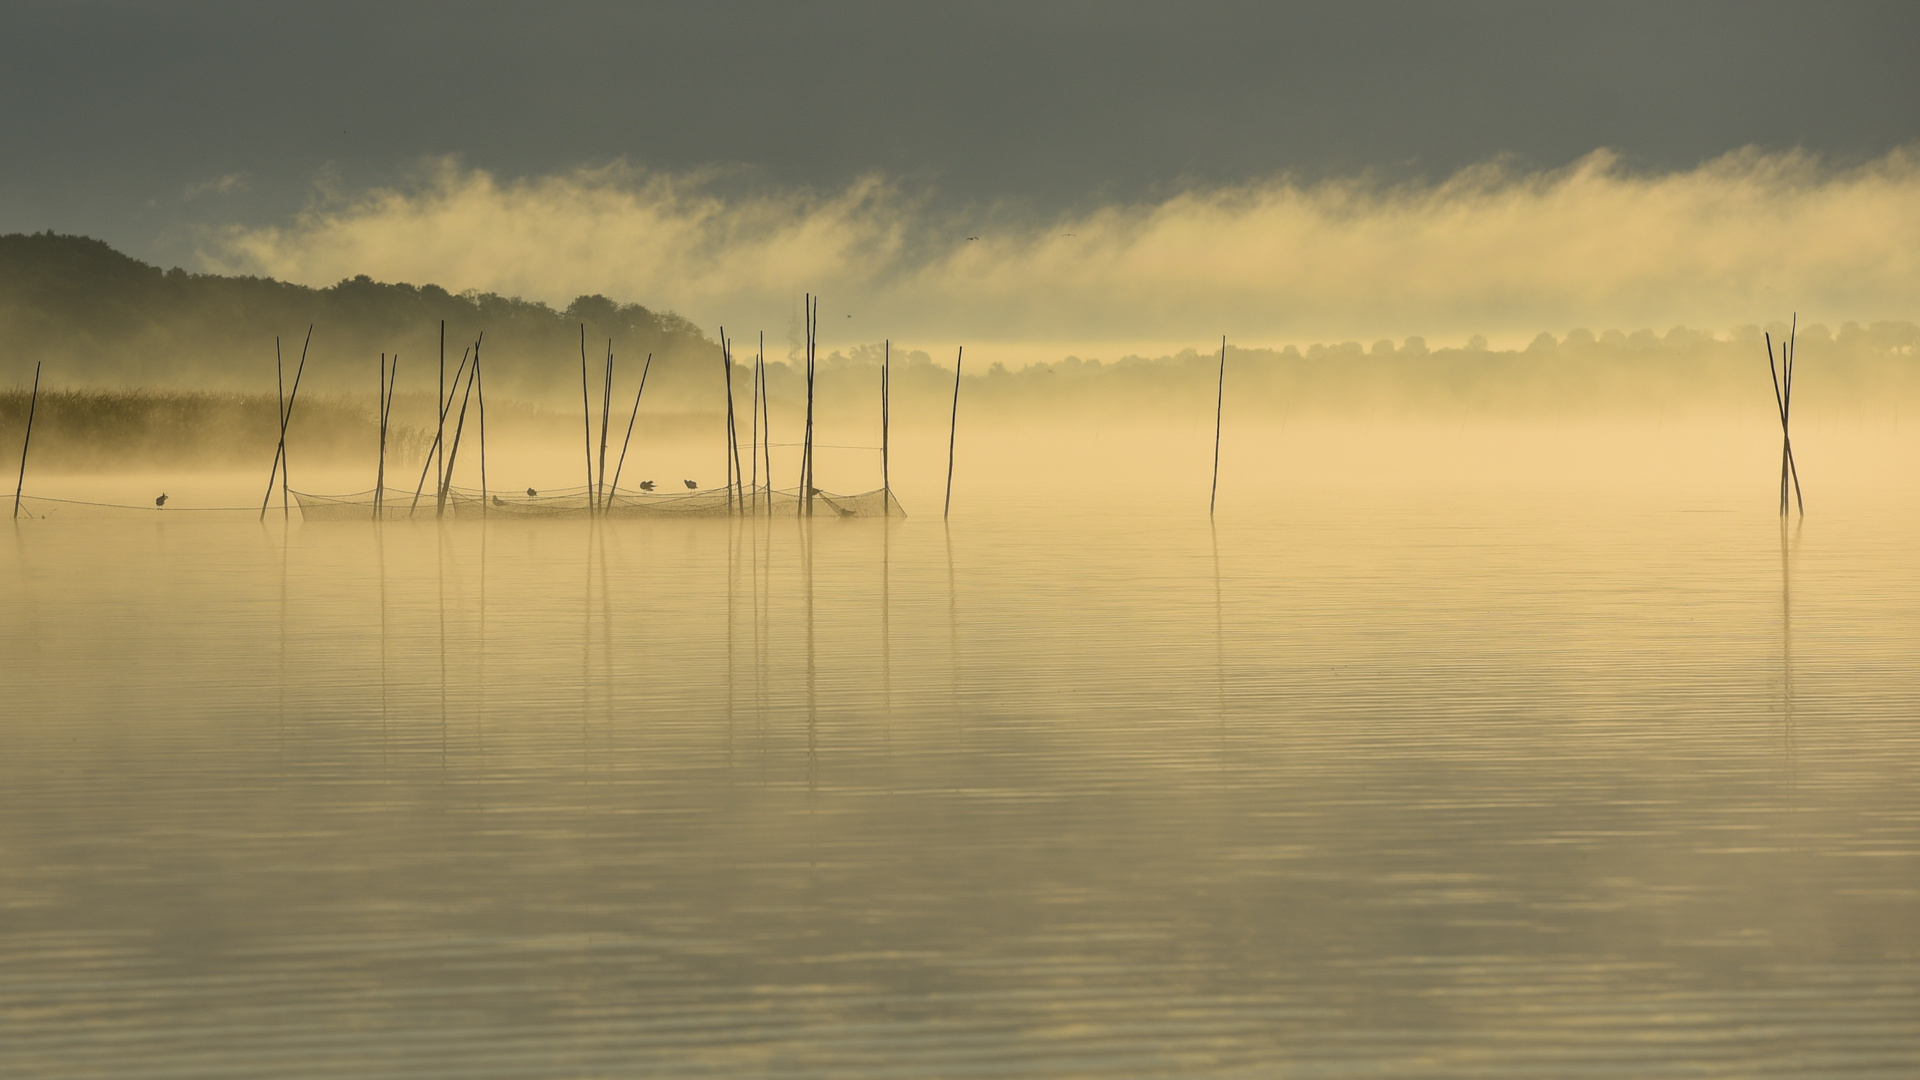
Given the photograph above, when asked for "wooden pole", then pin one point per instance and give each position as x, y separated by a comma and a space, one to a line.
886, 482
606, 406
439, 434
953, 428
380, 474
736, 497
33, 406
386, 425
766, 422
286, 466
1219, 405
635, 415
753, 449
1783, 402
445, 408
453, 453
481, 388
806, 439
280, 444
286, 413
1793, 351
586, 413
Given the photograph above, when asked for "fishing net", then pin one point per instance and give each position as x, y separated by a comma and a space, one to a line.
577, 502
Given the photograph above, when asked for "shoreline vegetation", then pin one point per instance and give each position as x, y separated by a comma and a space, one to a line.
179, 367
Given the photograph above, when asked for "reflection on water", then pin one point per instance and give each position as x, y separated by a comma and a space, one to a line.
1346, 792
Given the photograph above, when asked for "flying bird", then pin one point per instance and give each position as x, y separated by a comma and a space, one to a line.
162, 500
973, 238
690, 485
646, 485
532, 493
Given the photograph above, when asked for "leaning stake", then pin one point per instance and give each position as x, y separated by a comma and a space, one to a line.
631, 417
33, 405
380, 474
953, 427
286, 414
1219, 404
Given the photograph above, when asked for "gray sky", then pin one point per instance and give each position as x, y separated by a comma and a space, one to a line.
122, 117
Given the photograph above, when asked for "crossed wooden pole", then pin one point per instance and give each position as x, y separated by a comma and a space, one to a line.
1783, 400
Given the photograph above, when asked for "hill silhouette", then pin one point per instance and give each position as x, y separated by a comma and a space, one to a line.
98, 317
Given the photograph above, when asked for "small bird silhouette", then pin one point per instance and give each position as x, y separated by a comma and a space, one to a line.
162, 500
646, 485
498, 501
532, 493
690, 485
973, 238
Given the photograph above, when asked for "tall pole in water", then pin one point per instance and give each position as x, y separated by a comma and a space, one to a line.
380, 474
1219, 405
285, 465
953, 428
440, 433
33, 405
1783, 398
886, 480
735, 498
606, 406
586, 414
766, 422
806, 470
481, 387
753, 436
286, 413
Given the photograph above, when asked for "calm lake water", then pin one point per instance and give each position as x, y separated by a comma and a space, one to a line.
1355, 786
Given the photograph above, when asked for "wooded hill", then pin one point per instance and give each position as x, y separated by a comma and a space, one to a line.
99, 317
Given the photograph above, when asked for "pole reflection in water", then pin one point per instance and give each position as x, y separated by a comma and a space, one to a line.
1786, 645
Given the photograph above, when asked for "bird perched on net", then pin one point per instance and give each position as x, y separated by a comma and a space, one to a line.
691, 486
162, 500
646, 485
532, 493
498, 501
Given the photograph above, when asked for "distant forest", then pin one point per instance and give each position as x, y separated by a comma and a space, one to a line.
98, 317
101, 319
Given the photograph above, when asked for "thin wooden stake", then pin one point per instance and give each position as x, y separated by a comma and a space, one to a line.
631, 417
386, 424
606, 406
440, 433
453, 453
380, 474
766, 422
481, 389
586, 414
1219, 405
736, 499
886, 482
1783, 401
445, 408
953, 428
753, 449
33, 406
286, 415
806, 480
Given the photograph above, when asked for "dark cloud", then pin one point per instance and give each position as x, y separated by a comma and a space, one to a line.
115, 110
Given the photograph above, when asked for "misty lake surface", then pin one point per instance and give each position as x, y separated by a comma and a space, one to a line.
1410, 786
